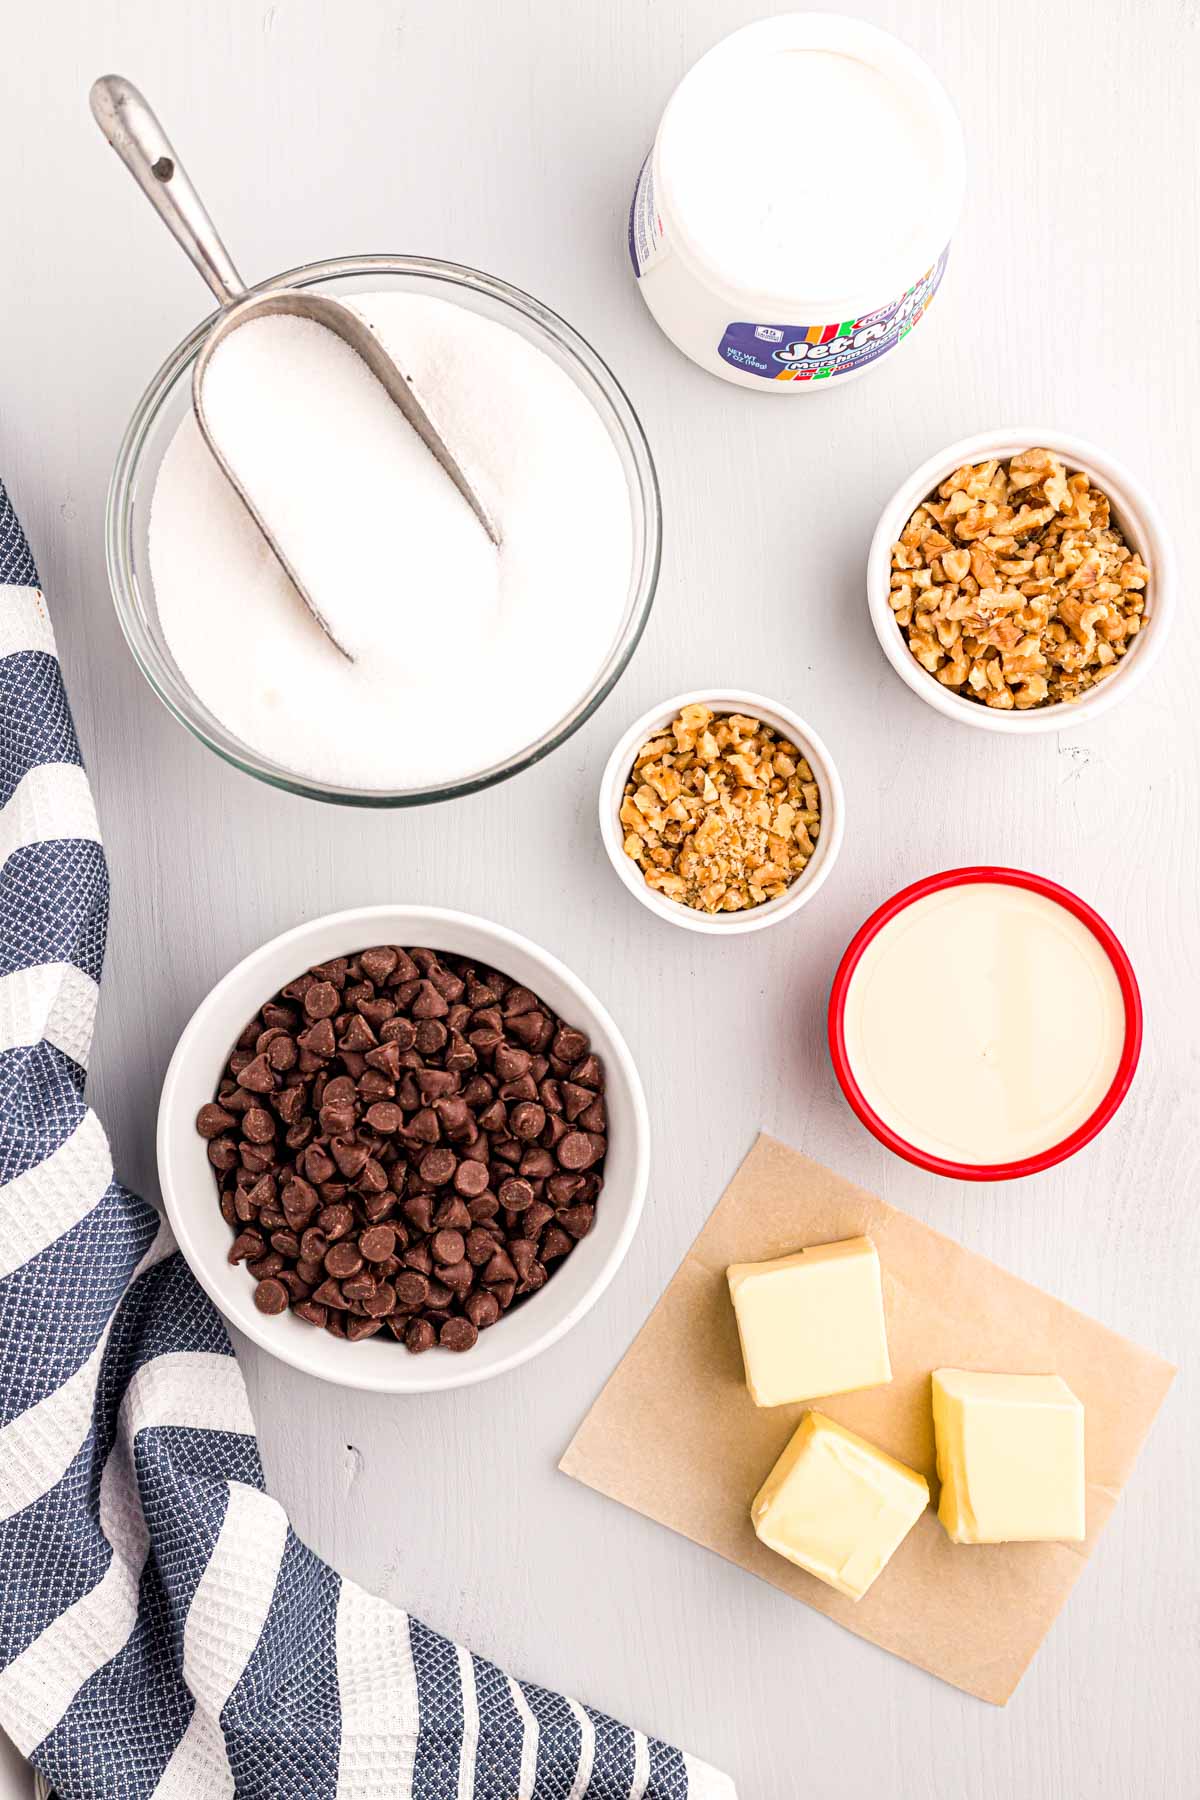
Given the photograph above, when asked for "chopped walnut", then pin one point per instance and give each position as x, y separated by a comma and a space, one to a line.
720, 812
1014, 587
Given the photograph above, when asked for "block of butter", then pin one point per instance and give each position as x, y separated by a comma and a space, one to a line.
837, 1506
811, 1324
1009, 1457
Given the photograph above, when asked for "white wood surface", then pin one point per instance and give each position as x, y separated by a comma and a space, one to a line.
508, 136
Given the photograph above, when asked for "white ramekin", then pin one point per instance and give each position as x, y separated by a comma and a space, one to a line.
1133, 511
190, 1193
789, 725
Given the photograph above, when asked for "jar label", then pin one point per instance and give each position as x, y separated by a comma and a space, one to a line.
815, 352
647, 239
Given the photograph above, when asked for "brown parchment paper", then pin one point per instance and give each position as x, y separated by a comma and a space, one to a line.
675, 1435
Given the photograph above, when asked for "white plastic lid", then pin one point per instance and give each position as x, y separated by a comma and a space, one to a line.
810, 164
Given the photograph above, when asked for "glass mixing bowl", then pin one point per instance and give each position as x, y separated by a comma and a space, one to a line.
169, 397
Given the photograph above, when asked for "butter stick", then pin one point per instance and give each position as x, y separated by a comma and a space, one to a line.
837, 1506
811, 1324
1009, 1457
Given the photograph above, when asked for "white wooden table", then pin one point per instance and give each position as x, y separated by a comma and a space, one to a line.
508, 136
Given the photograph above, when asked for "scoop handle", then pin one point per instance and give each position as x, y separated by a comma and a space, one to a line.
144, 147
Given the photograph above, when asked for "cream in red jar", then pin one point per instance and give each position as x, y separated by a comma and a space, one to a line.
985, 1023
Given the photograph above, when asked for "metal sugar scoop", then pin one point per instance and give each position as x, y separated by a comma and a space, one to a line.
139, 140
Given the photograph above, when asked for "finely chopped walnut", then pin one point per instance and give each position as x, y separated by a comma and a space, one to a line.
1014, 587
720, 812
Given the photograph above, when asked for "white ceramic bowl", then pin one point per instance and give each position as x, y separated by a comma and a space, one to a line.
380, 1364
789, 725
1133, 511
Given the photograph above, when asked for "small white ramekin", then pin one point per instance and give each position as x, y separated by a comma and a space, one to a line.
789, 725
1133, 511
190, 1193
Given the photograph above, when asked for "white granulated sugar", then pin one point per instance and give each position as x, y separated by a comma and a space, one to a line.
362, 510
464, 654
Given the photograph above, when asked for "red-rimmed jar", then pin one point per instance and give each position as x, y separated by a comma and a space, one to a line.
910, 1007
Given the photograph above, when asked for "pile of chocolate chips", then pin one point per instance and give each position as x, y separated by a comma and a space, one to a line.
404, 1139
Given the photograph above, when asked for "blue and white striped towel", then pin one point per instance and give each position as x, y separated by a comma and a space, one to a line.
162, 1630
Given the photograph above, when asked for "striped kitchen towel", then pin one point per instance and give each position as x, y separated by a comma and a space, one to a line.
162, 1629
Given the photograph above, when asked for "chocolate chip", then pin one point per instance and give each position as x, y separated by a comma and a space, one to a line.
419, 1335
568, 1046
482, 1310
357, 1329
282, 1054
533, 1029
428, 1003
343, 1259
411, 1289
458, 1334
379, 963
539, 1214
258, 1125
246, 1244
526, 1120
359, 1287
381, 1302
377, 1243
471, 1178
335, 1221
212, 1119
452, 1215
530, 1273
511, 1063
554, 1244
501, 1268
223, 1153
516, 1194
257, 1077
373, 1179
448, 1246
575, 1099
424, 1127
575, 1151
405, 1137
438, 1166
589, 1073
480, 1246
289, 1104
338, 1117
318, 1040
271, 1296
262, 1267
431, 1037
459, 1277
594, 1117
321, 1000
